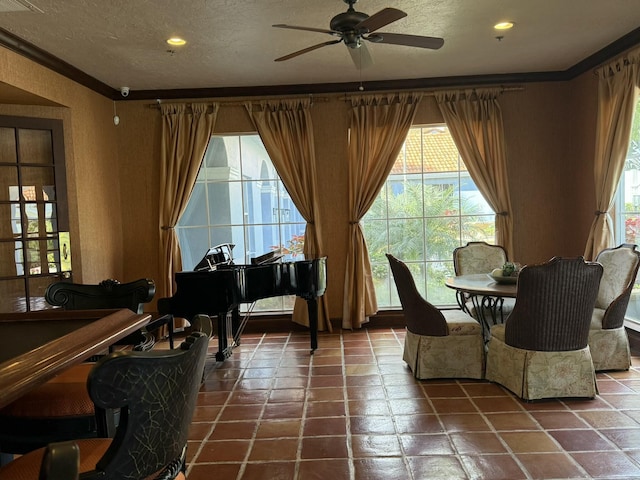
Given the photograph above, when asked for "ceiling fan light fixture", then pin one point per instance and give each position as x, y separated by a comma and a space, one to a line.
176, 41
351, 40
503, 25
353, 27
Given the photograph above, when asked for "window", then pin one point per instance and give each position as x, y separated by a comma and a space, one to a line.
627, 206
33, 212
239, 198
428, 206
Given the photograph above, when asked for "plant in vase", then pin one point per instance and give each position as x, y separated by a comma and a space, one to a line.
509, 269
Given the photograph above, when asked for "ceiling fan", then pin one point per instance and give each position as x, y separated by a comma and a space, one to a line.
353, 27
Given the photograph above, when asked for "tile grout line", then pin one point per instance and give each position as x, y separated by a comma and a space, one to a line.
405, 457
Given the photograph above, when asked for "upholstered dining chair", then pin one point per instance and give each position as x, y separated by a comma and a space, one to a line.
156, 393
608, 339
438, 343
542, 350
61, 408
479, 258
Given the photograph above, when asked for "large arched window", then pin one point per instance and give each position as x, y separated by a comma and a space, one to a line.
627, 207
239, 198
428, 206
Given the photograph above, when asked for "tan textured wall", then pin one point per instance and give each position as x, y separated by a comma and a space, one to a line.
114, 172
92, 162
549, 143
549, 135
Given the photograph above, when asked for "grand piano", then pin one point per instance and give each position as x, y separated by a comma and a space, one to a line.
217, 287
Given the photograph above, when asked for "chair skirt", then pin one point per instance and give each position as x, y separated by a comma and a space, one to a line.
610, 349
452, 356
534, 375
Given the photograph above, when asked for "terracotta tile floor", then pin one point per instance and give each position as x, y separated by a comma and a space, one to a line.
354, 411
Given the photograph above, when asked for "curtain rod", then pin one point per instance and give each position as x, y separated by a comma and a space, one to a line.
233, 103
432, 92
322, 99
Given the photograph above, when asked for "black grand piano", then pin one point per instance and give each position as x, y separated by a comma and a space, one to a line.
217, 287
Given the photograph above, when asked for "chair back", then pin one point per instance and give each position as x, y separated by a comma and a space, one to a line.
620, 269
422, 317
108, 294
156, 393
478, 257
554, 304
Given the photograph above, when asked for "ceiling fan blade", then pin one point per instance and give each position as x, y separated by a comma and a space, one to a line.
361, 56
308, 49
433, 43
307, 29
380, 19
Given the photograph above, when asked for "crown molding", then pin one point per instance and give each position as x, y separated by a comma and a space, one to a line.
30, 51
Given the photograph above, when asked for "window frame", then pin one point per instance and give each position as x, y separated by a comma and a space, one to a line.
425, 266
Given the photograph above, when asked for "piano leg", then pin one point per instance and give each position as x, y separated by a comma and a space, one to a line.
235, 327
312, 308
225, 322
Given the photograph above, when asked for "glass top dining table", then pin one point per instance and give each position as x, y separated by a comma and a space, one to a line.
481, 284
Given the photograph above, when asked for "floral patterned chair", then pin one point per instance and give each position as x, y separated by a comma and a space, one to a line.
479, 257
542, 350
438, 343
608, 339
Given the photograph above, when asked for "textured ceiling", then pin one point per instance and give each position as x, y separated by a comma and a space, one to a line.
232, 43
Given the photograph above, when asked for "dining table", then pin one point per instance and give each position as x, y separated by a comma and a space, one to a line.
486, 295
37, 346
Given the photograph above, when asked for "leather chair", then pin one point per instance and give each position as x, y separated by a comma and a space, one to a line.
156, 392
542, 350
475, 258
608, 339
61, 408
438, 343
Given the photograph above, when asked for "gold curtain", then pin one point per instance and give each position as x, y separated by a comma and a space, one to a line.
185, 135
379, 126
286, 130
474, 119
617, 96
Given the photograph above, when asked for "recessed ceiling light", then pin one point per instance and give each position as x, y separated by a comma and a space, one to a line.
176, 41
503, 25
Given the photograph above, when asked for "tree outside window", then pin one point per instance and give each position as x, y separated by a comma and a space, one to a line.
428, 206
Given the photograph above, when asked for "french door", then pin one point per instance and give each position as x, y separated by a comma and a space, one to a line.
34, 226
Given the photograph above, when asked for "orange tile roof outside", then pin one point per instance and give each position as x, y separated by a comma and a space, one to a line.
435, 145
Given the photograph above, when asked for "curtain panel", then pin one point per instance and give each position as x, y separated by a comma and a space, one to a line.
618, 84
378, 128
474, 119
186, 131
286, 130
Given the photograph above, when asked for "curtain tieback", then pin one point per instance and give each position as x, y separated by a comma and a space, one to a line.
164, 227
597, 213
353, 223
503, 214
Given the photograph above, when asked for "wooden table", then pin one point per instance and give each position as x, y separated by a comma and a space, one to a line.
36, 346
485, 294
